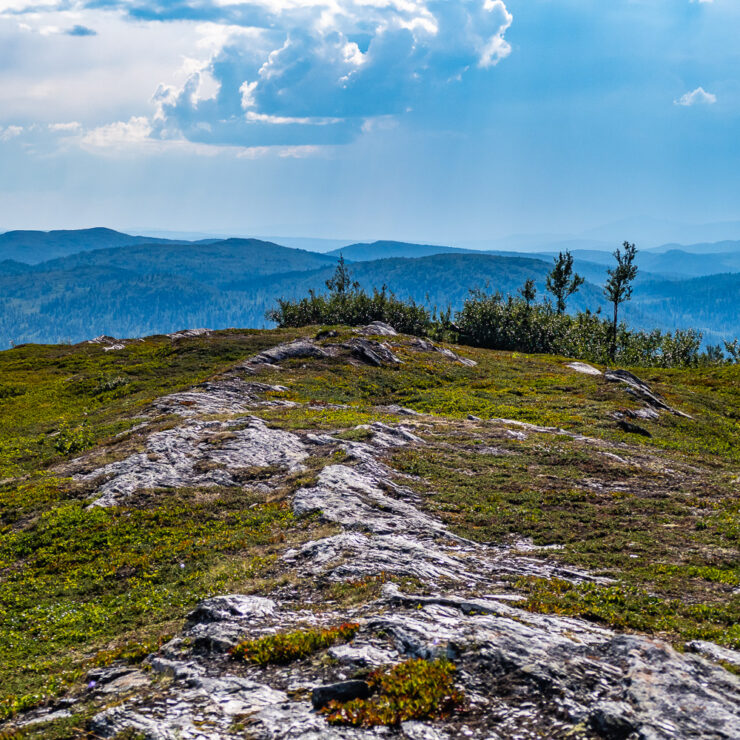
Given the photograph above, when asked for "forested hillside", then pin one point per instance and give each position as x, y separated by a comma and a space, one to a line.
162, 287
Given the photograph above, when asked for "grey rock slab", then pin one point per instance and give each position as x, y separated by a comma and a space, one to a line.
401, 410
353, 497
424, 345
584, 367
112, 721
371, 352
298, 349
198, 454
714, 652
353, 555
421, 731
187, 333
226, 395
218, 624
640, 389
610, 679
377, 328
363, 656
231, 607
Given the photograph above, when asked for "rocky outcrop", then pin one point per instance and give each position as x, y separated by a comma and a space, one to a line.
371, 352
296, 350
199, 453
227, 395
642, 391
377, 329
424, 345
584, 368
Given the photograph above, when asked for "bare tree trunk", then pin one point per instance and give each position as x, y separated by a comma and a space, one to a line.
613, 347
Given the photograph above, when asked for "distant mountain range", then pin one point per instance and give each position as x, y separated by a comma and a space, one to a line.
33, 247
69, 286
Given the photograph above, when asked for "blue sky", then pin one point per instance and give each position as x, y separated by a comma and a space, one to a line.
429, 120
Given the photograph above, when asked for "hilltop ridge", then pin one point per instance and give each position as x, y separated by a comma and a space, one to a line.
253, 524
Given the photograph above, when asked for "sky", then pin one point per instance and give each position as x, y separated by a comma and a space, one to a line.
426, 120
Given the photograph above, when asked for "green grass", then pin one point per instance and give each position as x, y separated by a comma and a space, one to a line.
56, 400
630, 608
79, 581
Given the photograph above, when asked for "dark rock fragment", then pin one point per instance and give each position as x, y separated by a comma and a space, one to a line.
640, 389
628, 426
298, 349
343, 691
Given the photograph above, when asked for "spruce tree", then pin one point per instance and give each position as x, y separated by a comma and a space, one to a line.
562, 282
618, 288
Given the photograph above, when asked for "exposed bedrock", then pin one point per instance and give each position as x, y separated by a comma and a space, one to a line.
199, 453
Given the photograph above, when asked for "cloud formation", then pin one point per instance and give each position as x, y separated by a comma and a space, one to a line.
696, 97
305, 73
10, 132
313, 72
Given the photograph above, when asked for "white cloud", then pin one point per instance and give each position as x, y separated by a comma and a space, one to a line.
10, 132
247, 90
337, 63
70, 127
122, 133
244, 73
696, 97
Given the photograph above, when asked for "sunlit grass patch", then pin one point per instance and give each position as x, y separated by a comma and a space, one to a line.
413, 690
285, 647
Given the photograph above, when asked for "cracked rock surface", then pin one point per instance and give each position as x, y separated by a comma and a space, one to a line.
199, 453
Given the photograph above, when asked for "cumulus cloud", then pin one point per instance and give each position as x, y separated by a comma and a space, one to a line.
286, 73
696, 97
313, 72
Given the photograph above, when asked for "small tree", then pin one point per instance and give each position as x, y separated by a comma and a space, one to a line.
341, 281
528, 291
562, 282
618, 288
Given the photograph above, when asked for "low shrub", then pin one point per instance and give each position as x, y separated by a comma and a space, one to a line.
413, 690
289, 646
353, 308
491, 321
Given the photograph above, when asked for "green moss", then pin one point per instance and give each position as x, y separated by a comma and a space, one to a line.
286, 647
413, 690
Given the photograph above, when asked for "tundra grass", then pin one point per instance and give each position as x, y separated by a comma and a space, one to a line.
286, 647
413, 690
77, 583
537, 389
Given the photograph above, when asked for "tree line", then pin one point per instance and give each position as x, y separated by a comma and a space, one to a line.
516, 323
